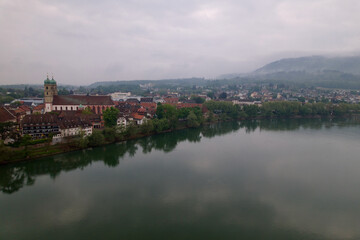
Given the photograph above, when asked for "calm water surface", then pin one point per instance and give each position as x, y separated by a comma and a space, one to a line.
287, 179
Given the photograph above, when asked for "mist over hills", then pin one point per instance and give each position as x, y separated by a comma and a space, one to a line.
310, 64
316, 71
313, 64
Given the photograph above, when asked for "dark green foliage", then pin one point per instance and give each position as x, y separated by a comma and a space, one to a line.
79, 141
223, 95
211, 95
226, 110
160, 111
183, 113
6, 99
25, 140
160, 125
109, 134
110, 116
96, 139
119, 133
171, 114
147, 127
63, 91
198, 99
281, 109
131, 130
192, 120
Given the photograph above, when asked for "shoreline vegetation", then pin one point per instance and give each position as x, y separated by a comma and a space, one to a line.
169, 119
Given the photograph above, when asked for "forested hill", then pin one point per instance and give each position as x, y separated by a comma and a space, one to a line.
313, 64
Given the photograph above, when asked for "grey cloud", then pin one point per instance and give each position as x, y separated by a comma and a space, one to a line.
154, 39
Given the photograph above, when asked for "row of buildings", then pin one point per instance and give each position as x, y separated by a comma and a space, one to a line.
62, 116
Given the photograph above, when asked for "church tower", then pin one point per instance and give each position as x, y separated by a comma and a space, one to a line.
50, 90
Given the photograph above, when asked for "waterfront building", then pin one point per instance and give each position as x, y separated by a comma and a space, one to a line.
55, 102
60, 126
40, 125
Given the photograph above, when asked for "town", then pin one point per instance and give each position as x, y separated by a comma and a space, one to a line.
59, 115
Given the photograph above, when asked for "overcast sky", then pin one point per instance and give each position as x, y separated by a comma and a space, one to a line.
84, 41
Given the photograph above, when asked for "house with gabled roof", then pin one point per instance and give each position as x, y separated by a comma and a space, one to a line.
7, 115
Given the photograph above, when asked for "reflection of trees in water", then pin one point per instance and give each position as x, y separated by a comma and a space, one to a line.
15, 176
220, 129
295, 124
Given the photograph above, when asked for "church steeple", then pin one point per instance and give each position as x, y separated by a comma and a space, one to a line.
50, 90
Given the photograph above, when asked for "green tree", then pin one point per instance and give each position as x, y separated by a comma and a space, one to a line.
131, 130
109, 134
197, 99
211, 117
119, 133
211, 95
96, 139
171, 114
223, 95
110, 116
192, 120
160, 111
160, 125
147, 127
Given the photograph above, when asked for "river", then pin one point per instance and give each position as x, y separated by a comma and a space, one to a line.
269, 179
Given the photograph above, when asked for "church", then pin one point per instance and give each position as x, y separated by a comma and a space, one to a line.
55, 102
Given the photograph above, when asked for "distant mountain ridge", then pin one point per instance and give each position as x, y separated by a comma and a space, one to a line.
313, 64
310, 64
315, 71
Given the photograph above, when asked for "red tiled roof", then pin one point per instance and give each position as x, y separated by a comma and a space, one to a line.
6, 115
24, 108
137, 116
148, 105
40, 118
78, 114
70, 121
39, 107
82, 99
19, 111
133, 103
141, 110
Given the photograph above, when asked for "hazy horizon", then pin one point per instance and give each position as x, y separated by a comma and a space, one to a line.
82, 42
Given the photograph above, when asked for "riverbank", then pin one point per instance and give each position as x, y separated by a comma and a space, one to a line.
33, 152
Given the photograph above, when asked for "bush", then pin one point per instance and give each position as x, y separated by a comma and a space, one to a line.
109, 134
96, 139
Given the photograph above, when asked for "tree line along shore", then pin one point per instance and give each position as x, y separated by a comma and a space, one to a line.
169, 118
